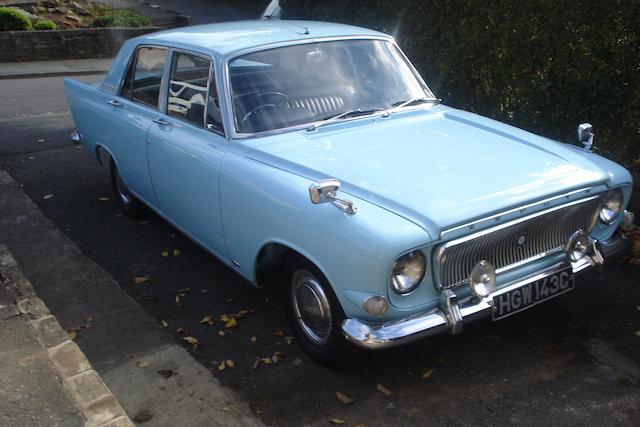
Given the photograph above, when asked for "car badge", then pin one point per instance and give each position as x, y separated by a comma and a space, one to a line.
522, 239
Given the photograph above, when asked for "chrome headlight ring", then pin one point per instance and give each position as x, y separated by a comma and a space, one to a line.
408, 271
612, 202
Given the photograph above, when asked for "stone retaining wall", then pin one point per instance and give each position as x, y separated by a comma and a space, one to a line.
20, 46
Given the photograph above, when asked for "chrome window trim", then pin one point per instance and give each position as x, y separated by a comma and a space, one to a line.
211, 72
229, 98
442, 248
132, 62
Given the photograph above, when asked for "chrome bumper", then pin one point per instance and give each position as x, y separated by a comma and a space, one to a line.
451, 314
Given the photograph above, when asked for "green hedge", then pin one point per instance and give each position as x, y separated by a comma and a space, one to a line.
121, 18
543, 65
12, 20
45, 24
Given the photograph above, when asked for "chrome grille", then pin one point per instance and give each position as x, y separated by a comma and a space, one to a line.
514, 243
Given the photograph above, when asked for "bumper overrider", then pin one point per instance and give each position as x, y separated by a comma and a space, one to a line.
452, 314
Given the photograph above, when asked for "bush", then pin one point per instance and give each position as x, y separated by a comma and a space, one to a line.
45, 24
544, 65
12, 20
121, 18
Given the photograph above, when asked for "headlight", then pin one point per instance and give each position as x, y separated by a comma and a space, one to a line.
611, 206
408, 271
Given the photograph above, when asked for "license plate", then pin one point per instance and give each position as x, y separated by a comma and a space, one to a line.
532, 293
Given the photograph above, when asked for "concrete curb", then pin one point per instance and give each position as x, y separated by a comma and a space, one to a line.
93, 398
52, 74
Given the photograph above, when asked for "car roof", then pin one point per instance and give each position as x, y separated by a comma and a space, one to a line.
222, 39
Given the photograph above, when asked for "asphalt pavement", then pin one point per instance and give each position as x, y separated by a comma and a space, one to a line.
571, 361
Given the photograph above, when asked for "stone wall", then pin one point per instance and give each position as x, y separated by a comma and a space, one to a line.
19, 46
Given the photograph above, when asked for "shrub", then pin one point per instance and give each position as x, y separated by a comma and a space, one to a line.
45, 24
544, 65
13, 20
121, 18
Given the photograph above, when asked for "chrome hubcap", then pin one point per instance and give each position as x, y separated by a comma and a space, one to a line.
311, 307
123, 191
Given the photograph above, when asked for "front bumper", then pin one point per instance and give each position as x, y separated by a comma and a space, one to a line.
451, 315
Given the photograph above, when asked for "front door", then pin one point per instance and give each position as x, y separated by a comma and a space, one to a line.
186, 146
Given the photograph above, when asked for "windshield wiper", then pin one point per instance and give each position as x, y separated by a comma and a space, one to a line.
413, 101
344, 115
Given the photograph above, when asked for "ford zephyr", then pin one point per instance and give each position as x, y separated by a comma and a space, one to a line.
316, 151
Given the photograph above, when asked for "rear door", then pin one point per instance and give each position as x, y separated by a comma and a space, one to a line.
186, 147
132, 113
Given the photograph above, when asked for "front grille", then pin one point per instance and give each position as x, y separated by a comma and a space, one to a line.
514, 243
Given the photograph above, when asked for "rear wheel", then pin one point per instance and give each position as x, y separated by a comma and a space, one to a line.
315, 315
129, 203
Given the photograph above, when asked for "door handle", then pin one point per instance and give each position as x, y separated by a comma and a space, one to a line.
115, 103
161, 122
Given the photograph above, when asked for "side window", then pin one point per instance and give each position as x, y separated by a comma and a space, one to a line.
188, 87
214, 115
145, 76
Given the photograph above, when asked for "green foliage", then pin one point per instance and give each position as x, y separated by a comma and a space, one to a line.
543, 65
121, 18
45, 24
12, 20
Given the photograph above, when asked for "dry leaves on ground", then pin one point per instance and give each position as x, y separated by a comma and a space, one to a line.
208, 320
142, 364
428, 374
191, 340
139, 280
336, 421
343, 398
382, 389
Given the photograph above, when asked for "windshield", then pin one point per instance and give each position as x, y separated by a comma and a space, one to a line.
301, 84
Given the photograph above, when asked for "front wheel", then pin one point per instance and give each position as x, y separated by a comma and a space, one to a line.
129, 203
315, 316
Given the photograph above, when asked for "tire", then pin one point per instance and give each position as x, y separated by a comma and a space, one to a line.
129, 203
320, 335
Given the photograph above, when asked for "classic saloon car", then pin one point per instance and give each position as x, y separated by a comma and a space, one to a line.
315, 150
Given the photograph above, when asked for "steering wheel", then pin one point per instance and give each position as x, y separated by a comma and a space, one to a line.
284, 100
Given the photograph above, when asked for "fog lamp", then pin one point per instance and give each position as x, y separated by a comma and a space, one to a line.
376, 305
483, 279
578, 246
611, 206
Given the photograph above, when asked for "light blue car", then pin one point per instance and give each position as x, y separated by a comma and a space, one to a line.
316, 151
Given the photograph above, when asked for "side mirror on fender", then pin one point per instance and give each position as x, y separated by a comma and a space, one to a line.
325, 191
585, 135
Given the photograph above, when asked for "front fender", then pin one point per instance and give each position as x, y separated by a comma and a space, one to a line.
262, 204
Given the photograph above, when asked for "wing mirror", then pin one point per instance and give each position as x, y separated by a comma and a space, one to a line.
585, 135
325, 191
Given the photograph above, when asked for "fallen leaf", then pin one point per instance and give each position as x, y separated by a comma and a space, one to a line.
165, 254
382, 389
279, 333
183, 291
178, 299
638, 333
279, 355
360, 425
48, 196
72, 335
208, 320
191, 340
427, 374
296, 362
256, 363
221, 333
288, 340
164, 324
254, 339
176, 252
242, 313
142, 363
336, 421
104, 199
139, 280
230, 363
266, 360
344, 398
180, 331
231, 323
222, 366
225, 408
